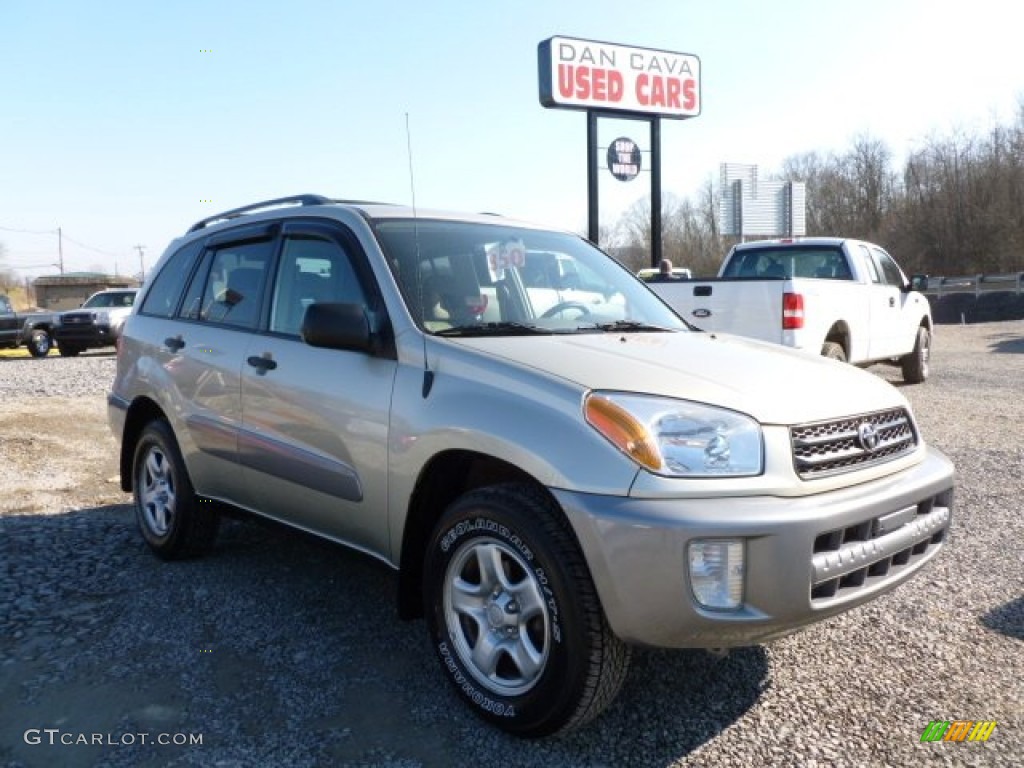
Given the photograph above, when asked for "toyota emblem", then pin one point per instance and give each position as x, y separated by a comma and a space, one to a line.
867, 436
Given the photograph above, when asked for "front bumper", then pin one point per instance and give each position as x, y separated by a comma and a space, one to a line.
88, 336
806, 558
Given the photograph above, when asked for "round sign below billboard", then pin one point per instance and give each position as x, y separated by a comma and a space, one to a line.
624, 159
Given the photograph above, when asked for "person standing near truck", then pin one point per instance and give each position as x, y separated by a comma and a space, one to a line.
665, 271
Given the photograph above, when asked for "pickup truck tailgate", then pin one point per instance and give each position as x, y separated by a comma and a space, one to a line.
750, 308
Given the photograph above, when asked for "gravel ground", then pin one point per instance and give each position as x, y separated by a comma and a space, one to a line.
282, 650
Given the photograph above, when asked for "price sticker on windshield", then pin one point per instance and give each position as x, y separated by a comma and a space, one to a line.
502, 256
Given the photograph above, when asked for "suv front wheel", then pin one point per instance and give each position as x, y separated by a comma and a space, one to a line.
174, 521
514, 616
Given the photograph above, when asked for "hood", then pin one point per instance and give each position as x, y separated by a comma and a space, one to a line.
774, 384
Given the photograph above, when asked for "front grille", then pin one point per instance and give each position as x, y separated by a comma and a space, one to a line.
859, 556
830, 447
80, 318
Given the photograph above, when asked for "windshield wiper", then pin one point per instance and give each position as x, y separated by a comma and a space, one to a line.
623, 325
493, 329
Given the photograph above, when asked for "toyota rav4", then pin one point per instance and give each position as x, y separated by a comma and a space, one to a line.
557, 469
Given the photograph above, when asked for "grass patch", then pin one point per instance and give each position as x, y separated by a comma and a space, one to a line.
20, 353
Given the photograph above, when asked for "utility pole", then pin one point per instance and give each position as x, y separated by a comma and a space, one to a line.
142, 263
60, 250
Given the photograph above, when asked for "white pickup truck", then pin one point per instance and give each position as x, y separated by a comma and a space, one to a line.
845, 299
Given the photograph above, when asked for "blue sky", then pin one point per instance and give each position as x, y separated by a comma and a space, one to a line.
118, 126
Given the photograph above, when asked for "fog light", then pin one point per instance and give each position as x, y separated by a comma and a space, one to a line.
716, 573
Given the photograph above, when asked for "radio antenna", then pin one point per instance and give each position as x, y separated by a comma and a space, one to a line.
412, 178
428, 375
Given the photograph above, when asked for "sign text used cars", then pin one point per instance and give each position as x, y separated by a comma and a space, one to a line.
584, 74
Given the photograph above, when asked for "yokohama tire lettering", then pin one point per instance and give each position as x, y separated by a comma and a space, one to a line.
481, 700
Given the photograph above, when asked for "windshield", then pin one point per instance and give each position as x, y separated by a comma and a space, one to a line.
472, 277
106, 300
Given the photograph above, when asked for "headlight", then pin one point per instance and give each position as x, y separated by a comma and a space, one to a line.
678, 438
101, 318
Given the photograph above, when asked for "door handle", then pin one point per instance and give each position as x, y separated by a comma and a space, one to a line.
892, 301
262, 364
174, 343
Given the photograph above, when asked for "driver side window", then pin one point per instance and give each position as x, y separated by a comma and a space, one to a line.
313, 270
890, 272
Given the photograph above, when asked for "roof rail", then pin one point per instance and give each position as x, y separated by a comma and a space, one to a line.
236, 212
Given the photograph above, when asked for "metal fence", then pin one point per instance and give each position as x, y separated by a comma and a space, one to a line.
976, 284
976, 298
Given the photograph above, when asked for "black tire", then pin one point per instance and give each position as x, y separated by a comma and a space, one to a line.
39, 342
833, 351
68, 350
915, 365
543, 607
174, 522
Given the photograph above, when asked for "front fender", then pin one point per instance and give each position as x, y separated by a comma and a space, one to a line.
520, 417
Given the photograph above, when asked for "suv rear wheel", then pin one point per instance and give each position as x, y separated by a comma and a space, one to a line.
514, 616
174, 522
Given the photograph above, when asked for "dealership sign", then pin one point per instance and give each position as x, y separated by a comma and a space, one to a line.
584, 74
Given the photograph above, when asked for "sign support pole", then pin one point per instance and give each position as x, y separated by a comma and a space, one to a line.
593, 224
655, 191
593, 208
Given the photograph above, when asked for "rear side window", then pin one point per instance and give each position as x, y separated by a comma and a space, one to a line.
228, 286
165, 294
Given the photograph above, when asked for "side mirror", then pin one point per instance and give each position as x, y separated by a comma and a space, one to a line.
919, 283
337, 326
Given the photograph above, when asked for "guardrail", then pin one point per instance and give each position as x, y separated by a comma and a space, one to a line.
976, 284
976, 298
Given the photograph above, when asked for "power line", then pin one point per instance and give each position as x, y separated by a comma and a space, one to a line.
63, 236
30, 231
91, 248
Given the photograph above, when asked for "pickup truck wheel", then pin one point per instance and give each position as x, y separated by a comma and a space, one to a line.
514, 616
174, 522
39, 343
915, 365
67, 350
833, 351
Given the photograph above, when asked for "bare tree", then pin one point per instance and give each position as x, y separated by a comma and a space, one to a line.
7, 277
690, 233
